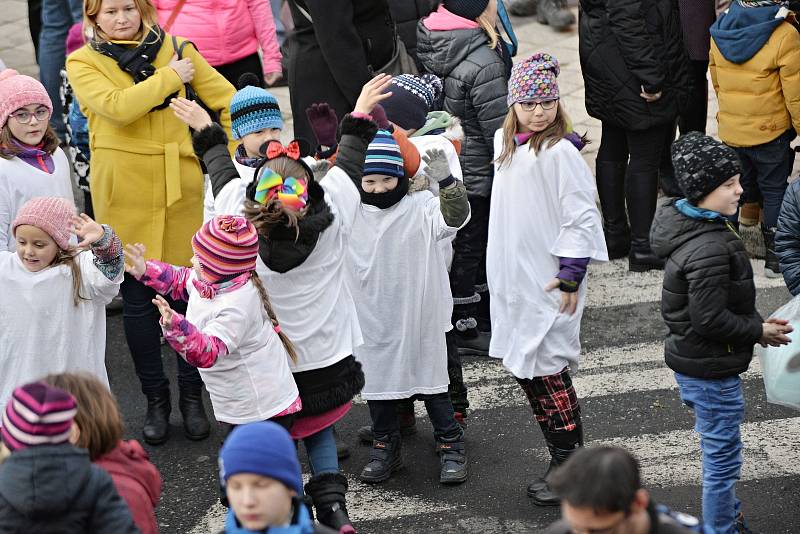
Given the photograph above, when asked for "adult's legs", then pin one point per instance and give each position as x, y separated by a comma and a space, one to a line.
233, 71
610, 169
695, 116
35, 24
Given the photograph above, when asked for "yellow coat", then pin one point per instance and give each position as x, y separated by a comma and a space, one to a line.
146, 181
760, 98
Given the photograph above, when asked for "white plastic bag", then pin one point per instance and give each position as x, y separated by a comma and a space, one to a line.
781, 365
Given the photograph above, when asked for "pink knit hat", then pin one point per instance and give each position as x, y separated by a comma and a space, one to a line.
18, 90
37, 414
226, 245
51, 214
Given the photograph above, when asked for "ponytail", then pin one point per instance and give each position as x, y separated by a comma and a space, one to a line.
262, 292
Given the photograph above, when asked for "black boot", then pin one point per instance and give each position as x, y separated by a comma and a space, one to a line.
453, 458
555, 13
541, 483
327, 492
569, 442
611, 190
156, 420
195, 422
470, 340
384, 459
641, 191
772, 268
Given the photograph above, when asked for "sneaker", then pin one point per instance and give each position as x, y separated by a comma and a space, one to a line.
555, 14
453, 459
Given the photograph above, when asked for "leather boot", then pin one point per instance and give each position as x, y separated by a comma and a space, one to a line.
408, 426
327, 492
572, 440
195, 422
384, 459
772, 268
453, 459
641, 191
156, 420
470, 340
541, 483
611, 190
555, 14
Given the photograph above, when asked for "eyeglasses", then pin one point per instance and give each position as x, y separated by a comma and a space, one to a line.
547, 105
24, 117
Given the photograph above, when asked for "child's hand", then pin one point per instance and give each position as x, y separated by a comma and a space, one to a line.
773, 333
372, 93
191, 113
166, 312
134, 260
87, 230
437, 168
569, 301
323, 121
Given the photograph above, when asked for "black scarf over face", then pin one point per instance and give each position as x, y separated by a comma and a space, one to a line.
137, 61
387, 199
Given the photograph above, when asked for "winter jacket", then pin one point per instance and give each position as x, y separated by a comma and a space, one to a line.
697, 16
755, 69
626, 45
787, 238
55, 489
226, 30
406, 15
662, 521
331, 59
709, 299
137, 481
475, 88
301, 524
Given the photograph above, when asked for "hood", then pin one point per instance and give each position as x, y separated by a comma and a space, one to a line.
442, 51
130, 460
441, 123
741, 32
671, 228
45, 479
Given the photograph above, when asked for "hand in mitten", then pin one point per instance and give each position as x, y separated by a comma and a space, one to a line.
379, 116
323, 121
437, 169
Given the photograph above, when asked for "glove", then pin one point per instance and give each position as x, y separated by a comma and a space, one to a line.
437, 169
323, 121
379, 116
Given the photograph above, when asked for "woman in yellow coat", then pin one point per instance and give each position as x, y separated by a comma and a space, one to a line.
146, 181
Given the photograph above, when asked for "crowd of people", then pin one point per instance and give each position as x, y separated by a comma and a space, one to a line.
434, 203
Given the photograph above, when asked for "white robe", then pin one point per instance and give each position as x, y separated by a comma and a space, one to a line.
402, 293
543, 207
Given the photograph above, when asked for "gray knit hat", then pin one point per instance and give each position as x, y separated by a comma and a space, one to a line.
702, 164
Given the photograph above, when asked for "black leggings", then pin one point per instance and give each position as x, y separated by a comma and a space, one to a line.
233, 71
695, 116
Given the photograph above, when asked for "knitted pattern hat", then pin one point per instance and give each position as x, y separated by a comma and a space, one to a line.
51, 214
534, 79
225, 246
468, 9
18, 90
254, 109
412, 98
37, 414
762, 3
383, 156
263, 448
702, 164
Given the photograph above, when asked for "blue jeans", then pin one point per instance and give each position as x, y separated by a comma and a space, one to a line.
57, 17
718, 406
321, 450
440, 411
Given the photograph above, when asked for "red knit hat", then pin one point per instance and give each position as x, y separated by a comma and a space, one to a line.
17, 91
225, 246
51, 214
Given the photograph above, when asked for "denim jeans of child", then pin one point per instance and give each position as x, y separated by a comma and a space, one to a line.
440, 411
718, 406
321, 451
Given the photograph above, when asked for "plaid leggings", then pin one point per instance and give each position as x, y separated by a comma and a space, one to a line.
554, 401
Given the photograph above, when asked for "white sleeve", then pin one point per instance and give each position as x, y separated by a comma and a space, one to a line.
344, 196
432, 210
94, 284
230, 201
208, 201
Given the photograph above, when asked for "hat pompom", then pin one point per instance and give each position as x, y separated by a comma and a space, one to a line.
8, 73
248, 78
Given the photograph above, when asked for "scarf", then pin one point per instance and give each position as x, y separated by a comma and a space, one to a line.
35, 156
138, 61
693, 212
244, 159
388, 199
209, 290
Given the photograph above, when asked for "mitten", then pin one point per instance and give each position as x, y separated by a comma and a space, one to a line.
379, 116
437, 169
323, 121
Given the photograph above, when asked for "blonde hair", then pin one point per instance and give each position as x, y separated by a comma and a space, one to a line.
262, 292
68, 257
9, 150
266, 216
147, 12
489, 28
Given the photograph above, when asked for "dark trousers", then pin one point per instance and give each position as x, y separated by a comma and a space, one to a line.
695, 116
440, 411
143, 333
642, 149
766, 168
469, 250
35, 24
233, 71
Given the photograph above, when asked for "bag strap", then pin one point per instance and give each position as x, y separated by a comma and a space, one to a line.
173, 15
179, 49
304, 12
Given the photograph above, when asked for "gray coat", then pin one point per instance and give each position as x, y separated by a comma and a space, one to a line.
475, 88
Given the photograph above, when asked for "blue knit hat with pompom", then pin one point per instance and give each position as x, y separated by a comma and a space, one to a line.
253, 109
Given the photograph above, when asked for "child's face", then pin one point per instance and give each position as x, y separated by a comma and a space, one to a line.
258, 501
378, 183
26, 127
120, 20
535, 116
725, 198
35, 248
252, 142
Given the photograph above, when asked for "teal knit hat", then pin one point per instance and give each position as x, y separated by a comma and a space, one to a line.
254, 109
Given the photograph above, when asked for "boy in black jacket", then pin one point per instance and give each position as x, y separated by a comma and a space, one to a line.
708, 304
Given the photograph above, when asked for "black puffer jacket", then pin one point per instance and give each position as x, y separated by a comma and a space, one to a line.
709, 298
475, 89
627, 44
787, 238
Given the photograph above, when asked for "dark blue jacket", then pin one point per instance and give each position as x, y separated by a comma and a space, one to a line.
787, 238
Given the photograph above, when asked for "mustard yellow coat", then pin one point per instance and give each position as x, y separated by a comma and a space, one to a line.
146, 181
760, 98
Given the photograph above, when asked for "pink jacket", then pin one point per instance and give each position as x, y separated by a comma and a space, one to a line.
226, 30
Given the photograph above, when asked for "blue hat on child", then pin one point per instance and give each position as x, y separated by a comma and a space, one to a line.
265, 449
383, 156
254, 109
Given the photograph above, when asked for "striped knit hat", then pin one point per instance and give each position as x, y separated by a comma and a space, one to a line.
383, 156
254, 109
37, 414
225, 246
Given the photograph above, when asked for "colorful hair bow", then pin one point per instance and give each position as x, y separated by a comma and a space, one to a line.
276, 149
291, 192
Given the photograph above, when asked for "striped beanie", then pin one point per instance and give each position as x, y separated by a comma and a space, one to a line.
412, 98
37, 414
226, 246
383, 156
254, 109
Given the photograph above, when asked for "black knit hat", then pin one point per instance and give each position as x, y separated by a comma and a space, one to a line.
702, 164
468, 9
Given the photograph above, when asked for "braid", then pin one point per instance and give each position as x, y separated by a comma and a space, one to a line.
262, 292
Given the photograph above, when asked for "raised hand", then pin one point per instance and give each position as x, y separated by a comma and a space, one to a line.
437, 168
87, 230
134, 260
191, 113
372, 93
167, 314
323, 121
